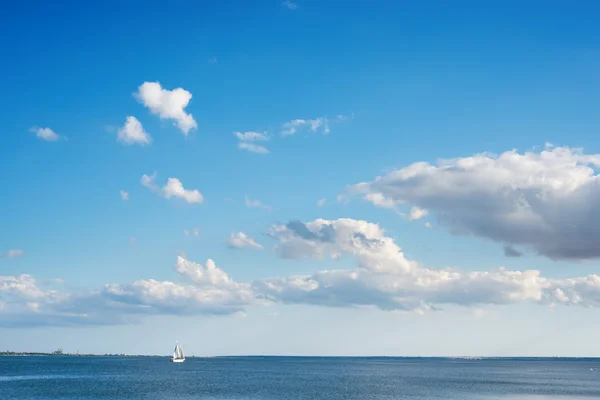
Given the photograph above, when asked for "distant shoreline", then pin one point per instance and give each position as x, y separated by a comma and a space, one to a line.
466, 358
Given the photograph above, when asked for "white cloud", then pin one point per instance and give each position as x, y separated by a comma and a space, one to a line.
541, 201
382, 277
173, 188
124, 195
148, 181
428, 224
256, 204
416, 213
133, 133
246, 137
253, 148
167, 104
14, 253
240, 240
317, 125
194, 232
25, 301
321, 202
251, 136
322, 238
46, 134
289, 5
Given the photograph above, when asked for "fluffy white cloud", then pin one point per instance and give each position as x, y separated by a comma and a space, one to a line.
247, 137
167, 104
381, 277
540, 201
384, 278
240, 240
173, 188
124, 195
256, 204
133, 133
46, 134
26, 302
322, 238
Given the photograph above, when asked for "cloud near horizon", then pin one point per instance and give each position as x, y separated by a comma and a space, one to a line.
543, 202
381, 277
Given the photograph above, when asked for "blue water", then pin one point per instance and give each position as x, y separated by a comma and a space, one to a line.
276, 378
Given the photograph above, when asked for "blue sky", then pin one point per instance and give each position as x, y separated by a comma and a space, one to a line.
414, 83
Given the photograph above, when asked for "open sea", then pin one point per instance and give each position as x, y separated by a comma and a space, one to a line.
297, 378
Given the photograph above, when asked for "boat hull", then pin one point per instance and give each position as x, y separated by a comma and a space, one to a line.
177, 360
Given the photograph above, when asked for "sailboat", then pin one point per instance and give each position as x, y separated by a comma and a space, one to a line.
178, 354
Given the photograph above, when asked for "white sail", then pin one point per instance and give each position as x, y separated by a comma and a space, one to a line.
178, 355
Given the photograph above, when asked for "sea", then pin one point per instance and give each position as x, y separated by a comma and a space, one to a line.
297, 378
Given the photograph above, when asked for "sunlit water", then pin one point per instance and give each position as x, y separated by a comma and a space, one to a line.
44, 378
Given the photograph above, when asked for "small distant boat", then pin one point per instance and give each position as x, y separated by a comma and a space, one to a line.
178, 355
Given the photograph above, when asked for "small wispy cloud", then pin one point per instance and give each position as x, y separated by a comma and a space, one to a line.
213, 60
46, 134
321, 202
253, 148
173, 188
317, 125
289, 5
246, 139
416, 213
124, 195
194, 232
251, 136
256, 204
13, 253
240, 240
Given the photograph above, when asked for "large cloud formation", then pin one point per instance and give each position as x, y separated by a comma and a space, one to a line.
543, 201
381, 277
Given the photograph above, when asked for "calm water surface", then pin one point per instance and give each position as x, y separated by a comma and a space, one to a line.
276, 378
